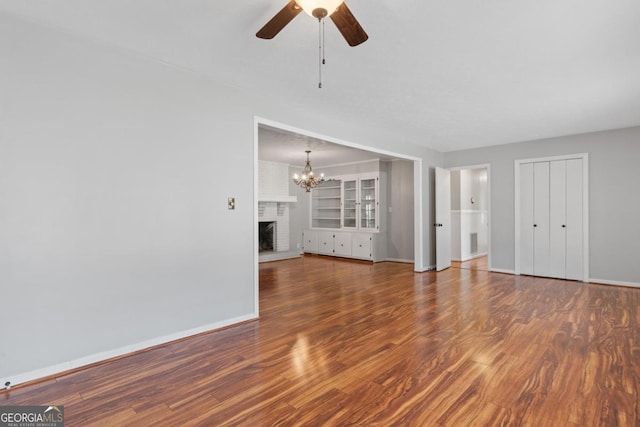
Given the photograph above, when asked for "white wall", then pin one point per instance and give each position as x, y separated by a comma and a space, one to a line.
273, 179
114, 177
613, 208
299, 212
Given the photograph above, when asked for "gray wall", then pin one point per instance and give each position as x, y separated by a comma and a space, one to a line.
455, 190
114, 175
614, 180
400, 224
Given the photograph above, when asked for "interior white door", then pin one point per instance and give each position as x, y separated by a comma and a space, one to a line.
557, 218
443, 219
541, 219
575, 221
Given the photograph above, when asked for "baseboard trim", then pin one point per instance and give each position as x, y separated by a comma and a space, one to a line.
614, 283
50, 371
405, 261
427, 268
503, 271
470, 258
278, 256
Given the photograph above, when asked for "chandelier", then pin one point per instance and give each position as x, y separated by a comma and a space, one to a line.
307, 180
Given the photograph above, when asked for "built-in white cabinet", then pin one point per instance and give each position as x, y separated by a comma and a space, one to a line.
347, 202
347, 217
310, 242
342, 243
361, 245
326, 204
360, 202
325, 242
552, 218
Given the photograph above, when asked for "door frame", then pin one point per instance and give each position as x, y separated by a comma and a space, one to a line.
585, 206
486, 166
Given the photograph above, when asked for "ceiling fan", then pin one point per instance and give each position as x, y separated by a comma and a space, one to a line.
337, 10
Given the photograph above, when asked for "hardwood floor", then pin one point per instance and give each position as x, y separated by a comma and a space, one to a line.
480, 263
348, 343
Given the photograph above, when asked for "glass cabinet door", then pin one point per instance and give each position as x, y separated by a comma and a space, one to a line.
368, 204
349, 203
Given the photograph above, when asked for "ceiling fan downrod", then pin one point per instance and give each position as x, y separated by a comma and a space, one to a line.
321, 60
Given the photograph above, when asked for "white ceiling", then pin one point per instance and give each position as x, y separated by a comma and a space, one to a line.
449, 75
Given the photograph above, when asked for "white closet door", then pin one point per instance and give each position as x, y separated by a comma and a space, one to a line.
557, 218
574, 223
541, 218
526, 218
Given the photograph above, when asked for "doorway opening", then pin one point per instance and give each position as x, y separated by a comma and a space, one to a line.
464, 217
344, 156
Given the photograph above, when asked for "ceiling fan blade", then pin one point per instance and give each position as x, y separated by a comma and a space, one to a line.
279, 21
348, 26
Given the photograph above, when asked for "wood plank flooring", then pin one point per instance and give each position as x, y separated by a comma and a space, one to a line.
480, 263
348, 343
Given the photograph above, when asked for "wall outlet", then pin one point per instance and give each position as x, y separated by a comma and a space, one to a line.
231, 203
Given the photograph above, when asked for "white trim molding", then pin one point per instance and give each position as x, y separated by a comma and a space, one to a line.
404, 261
614, 283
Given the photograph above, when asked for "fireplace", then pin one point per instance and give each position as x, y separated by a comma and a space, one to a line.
266, 236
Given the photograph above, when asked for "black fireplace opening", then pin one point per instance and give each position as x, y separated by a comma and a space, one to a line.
266, 236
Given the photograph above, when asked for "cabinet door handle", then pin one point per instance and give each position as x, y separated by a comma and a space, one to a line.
564, 226
535, 225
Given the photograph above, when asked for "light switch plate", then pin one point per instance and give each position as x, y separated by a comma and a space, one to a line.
231, 203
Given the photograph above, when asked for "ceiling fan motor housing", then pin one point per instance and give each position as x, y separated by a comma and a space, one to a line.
319, 12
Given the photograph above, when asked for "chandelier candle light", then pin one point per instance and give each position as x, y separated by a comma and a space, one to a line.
307, 180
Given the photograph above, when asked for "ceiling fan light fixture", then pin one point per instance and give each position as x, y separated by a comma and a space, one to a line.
319, 8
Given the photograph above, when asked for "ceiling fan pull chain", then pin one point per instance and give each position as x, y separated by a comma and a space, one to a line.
323, 43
